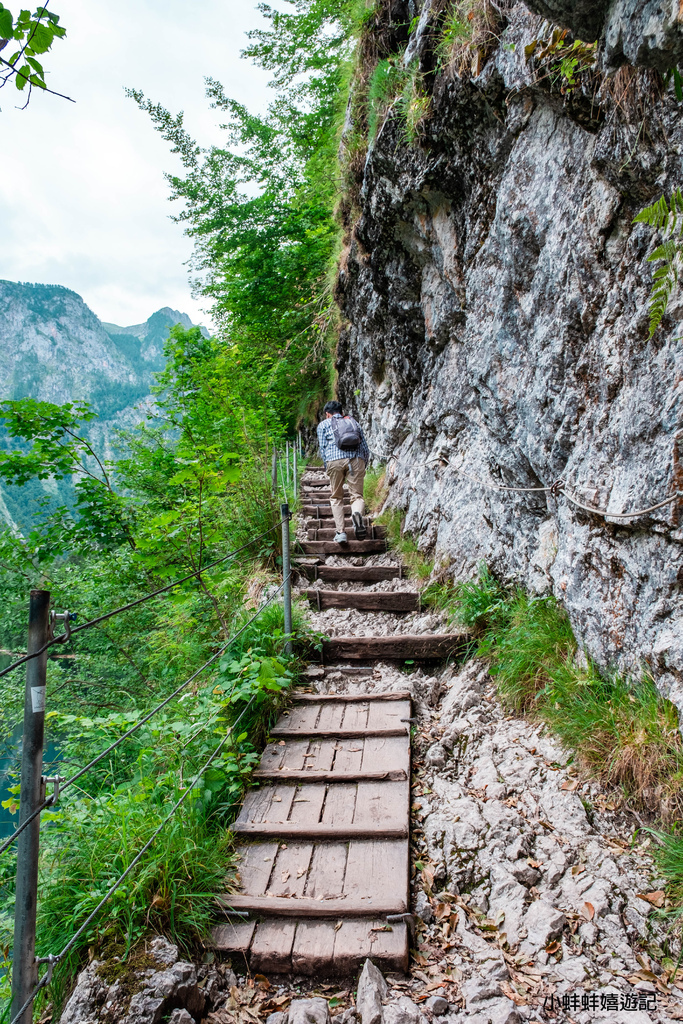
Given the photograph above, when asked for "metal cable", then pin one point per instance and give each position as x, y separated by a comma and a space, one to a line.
53, 959
138, 725
557, 488
132, 604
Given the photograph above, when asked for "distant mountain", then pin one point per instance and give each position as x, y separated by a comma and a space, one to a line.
54, 348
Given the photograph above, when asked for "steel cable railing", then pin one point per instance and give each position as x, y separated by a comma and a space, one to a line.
138, 725
132, 604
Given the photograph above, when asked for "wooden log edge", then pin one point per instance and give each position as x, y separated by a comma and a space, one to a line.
302, 906
293, 830
349, 697
301, 775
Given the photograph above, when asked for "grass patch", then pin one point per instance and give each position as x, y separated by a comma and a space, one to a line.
469, 32
375, 489
622, 730
405, 544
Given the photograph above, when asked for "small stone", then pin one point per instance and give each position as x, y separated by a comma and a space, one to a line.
543, 923
423, 908
276, 1018
308, 1011
372, 991
403, 1011
438, 1005
180, 1016
524, 873
436, 756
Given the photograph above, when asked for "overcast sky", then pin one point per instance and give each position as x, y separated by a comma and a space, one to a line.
83, 200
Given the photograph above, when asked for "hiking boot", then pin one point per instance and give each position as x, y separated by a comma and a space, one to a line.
359, 527
340, 538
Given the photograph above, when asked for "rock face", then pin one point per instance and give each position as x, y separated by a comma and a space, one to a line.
495, 295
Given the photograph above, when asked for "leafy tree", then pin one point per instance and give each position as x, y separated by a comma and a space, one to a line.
33, 35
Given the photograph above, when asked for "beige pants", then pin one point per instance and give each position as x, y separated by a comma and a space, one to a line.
337, 471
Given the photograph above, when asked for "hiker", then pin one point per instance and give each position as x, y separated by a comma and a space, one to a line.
344, 450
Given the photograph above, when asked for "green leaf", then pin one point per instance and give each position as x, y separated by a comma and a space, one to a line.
22, 77
6, 24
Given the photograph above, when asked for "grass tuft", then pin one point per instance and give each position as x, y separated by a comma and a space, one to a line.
622, 730
405, 543
375, 489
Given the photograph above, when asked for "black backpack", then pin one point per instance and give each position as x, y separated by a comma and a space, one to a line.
346, 431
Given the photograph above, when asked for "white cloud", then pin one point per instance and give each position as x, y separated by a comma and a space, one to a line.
83, 200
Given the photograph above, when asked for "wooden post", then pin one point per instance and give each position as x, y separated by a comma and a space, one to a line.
24, 967
287, 576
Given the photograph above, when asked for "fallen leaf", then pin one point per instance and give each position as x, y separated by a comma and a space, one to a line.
588, 911
553, 948
533, 863
300, 872
261, 981
656, 899
277, 799
570, 785
577, 869
338, 925
512, 994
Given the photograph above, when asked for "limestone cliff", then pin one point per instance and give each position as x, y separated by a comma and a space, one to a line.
494, 292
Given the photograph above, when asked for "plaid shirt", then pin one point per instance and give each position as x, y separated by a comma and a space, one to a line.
329, 450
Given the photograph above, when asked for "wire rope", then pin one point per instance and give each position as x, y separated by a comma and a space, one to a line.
138, 725
132, 604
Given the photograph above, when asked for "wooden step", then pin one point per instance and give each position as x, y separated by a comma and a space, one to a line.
373, 601
397, 647
306, 775
323, 510
352, 547
349, 698
316, 948
284, 906
374, 718
292, 830
328, 533
355, 573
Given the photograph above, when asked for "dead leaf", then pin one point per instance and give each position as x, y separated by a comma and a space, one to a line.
428, 877
261, 981
577, 869
553, 948
533, 863
656, 899
588, 911
338, 925
512, 994
300, 872
570, 785
277, 799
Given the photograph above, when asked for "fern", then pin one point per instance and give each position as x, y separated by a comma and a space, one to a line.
667, 218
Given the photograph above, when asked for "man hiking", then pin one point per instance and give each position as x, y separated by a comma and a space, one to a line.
344, 450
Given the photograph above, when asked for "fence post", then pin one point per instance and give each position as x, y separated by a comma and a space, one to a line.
288, 462
273, 471
24, 967
286, 574
295, 482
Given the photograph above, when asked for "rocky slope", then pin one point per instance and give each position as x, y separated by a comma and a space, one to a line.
494, 290
53, 348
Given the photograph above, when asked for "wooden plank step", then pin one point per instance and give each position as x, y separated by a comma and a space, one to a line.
302, 906
391, 601
352, 697
319, 948
356, 573
311, 775
338, 755
373, 718
352, 547
435, 646
323, 510
328, 532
